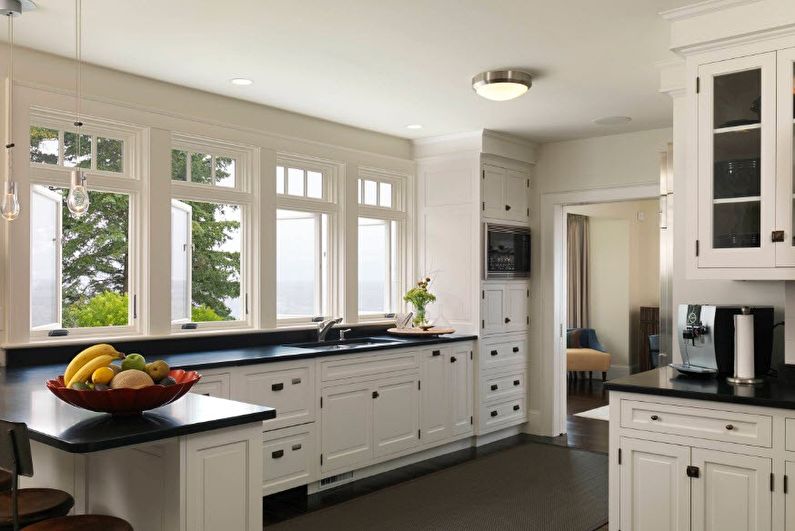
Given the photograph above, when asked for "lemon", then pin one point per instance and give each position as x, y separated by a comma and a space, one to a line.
103, 375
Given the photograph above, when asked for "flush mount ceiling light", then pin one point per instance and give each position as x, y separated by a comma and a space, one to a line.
613, 120
502, 85
241, 81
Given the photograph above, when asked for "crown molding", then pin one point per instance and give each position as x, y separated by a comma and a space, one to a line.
701, 8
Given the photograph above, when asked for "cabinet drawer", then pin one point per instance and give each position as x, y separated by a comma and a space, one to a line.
502, 414
289, 388
367, 366
503, 354
727, 426
213, 383
502, 386
288, 458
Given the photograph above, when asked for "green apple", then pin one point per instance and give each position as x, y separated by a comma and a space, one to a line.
133, 361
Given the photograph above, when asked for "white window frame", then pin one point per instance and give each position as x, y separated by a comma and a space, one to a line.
128, 182
327, 205
398, 213
243, 196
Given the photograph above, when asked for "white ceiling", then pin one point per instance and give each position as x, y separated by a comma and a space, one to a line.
384, 64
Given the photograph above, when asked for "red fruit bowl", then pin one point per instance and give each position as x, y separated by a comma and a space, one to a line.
126, 401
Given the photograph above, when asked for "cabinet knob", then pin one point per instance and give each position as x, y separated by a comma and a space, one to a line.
436, 352
277, 387
494, 387
729, 427
516, 382
375, 394
494, 353
515, 349
507, 320
453, 359
655, 417
516, 408
507, 208
277, 454
493, 413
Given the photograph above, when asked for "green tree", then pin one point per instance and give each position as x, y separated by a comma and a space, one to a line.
202, 314
105, 309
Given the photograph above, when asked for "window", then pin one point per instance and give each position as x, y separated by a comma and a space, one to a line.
83, 271
206, 248
203, 168
381, 245
209, 243
302, 264
59, 147
304, 240
378, 267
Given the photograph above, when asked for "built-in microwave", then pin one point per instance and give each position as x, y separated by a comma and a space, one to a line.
506, 251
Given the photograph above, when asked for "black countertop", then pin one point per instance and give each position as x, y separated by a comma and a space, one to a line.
776, 391
24, 398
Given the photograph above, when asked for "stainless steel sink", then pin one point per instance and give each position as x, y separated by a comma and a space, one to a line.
346, 344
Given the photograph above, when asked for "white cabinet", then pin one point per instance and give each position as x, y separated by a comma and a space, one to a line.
461, 392
289, 458
785, 168
789, 495
655, 488
287, 387
396, 423
731, 493
505, 194
505, 307
215, 383
346, 421
447, 396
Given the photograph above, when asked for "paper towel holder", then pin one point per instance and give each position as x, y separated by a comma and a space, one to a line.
736, 380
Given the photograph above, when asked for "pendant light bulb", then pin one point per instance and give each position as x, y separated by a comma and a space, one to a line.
77, 202
9, 208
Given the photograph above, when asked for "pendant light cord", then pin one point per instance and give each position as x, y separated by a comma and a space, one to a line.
79, 77
10, 110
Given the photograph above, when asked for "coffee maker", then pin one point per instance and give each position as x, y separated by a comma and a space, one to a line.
706, 339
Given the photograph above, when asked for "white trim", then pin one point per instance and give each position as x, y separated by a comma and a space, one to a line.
701, 8
553, 290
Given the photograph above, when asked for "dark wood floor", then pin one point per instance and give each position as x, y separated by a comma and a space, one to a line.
586, 434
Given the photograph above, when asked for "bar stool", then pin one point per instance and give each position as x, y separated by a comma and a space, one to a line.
41, 509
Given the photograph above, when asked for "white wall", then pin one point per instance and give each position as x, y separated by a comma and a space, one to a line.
625, 254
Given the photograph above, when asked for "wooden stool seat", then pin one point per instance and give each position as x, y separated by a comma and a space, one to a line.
83, 522
35, 505
5, 480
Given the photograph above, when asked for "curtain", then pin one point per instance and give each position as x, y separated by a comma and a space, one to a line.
578, 273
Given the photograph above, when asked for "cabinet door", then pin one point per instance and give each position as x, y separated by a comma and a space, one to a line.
434, 395
785, 183
516, 307
736, 168
396, 422
346, 426
789, 498
287, 387
732, 492
493, 192
655, 489
460, 385
493, 309
516, 200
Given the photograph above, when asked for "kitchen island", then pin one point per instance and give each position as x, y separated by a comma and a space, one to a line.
691, 453
195, 464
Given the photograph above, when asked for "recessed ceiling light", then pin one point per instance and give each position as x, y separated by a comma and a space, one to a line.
502, 85
241, 81
414, 126
613, 120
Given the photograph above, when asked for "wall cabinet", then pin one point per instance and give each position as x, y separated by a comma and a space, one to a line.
745, 166
505, 194
505, 307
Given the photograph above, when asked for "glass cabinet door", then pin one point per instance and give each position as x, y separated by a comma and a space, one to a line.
785, 184
736, 182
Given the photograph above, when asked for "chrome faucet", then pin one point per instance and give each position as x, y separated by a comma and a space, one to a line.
324, 326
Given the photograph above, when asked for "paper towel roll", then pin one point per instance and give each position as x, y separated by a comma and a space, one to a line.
744, 346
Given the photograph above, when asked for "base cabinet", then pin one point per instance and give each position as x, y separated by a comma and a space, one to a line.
289, 458
396, 419
346, 420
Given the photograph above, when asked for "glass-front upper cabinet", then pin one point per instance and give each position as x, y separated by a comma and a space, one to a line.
785, 185
737, 164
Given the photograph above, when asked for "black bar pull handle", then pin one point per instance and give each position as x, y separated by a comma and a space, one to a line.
436, 353
277, 387
277, 454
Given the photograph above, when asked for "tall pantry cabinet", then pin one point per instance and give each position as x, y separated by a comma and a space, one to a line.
465, 183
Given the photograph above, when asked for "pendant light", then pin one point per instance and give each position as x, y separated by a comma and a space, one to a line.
9, 205
77, 201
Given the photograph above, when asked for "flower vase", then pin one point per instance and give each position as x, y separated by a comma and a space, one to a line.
420, 319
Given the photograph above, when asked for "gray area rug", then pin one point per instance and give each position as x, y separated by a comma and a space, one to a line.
529, 487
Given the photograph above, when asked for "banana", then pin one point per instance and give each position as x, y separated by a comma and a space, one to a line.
88, 369
86, 356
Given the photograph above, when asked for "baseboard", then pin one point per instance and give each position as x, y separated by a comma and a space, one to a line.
494, 436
